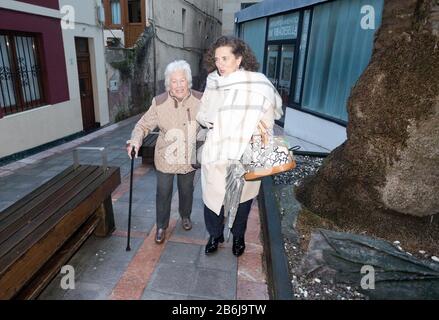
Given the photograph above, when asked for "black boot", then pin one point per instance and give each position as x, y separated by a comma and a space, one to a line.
238, 246
212, 244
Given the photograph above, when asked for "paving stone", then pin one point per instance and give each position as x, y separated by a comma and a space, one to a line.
173, 279
214, 284
222, 260
59, 167
48, 173
53, 291
5, 204
82, 294
191, 297
111, 248
180, 253
13, 196
31, 172
154, 295
198, 231
138, 194
138, 223
142, 209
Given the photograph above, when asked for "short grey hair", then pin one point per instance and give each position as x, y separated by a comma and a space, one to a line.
176, 66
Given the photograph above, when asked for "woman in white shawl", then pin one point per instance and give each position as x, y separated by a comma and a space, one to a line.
236, 99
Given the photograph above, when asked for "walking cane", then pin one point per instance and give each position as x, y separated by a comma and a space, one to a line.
133, 154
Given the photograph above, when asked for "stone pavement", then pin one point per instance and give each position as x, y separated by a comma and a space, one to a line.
176, 269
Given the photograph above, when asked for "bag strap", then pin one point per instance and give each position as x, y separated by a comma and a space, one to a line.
264, 132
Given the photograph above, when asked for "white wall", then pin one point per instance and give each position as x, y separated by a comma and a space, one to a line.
315, 130
25, 130
86, 26
230, 7
28, 129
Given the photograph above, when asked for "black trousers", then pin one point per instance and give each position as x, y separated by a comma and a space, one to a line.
165, 182
215, 223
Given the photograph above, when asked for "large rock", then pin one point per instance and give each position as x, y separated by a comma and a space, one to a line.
390, 160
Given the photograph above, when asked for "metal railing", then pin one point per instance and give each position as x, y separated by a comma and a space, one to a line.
20, 74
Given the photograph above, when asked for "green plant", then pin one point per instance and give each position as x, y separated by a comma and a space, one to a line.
125, 66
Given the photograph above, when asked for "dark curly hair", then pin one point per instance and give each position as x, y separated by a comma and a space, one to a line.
239, 49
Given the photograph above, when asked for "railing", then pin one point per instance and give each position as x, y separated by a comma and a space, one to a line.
20, 73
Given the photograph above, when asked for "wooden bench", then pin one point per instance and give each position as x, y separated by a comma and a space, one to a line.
146, 151
40, 232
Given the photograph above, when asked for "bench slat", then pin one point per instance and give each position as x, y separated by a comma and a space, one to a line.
11, 236
48, 238
34, 194
39, 201
54, 265
40, 204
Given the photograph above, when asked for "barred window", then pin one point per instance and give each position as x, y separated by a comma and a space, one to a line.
21, 87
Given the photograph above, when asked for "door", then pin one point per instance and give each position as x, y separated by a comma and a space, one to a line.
85, 84
279, 68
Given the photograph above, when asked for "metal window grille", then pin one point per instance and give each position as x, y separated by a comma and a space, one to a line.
21, 87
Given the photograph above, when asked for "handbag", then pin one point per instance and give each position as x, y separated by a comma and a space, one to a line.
266, 155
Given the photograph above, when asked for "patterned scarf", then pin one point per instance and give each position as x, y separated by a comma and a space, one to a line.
248, 95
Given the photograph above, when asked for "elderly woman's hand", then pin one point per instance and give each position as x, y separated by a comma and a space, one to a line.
130, 148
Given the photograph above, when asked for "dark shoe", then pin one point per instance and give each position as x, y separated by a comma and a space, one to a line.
238, 246
160, 235
212, 244
186, 223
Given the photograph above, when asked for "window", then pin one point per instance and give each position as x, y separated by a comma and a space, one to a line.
183, 20
247, 4
302, 52
134, 11
21, 87
115, 11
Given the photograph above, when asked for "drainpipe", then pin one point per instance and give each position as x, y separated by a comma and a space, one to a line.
154, 49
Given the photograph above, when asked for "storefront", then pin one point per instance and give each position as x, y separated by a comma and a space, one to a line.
313, 52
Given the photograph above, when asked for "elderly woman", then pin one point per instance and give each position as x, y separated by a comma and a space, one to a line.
236, 99
173, 112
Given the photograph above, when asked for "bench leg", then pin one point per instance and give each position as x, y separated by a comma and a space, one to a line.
146, 160
106, 219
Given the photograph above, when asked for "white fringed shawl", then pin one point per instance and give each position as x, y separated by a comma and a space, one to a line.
248, 95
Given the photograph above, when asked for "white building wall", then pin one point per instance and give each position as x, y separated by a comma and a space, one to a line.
29, 129
230, 7
87, 26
